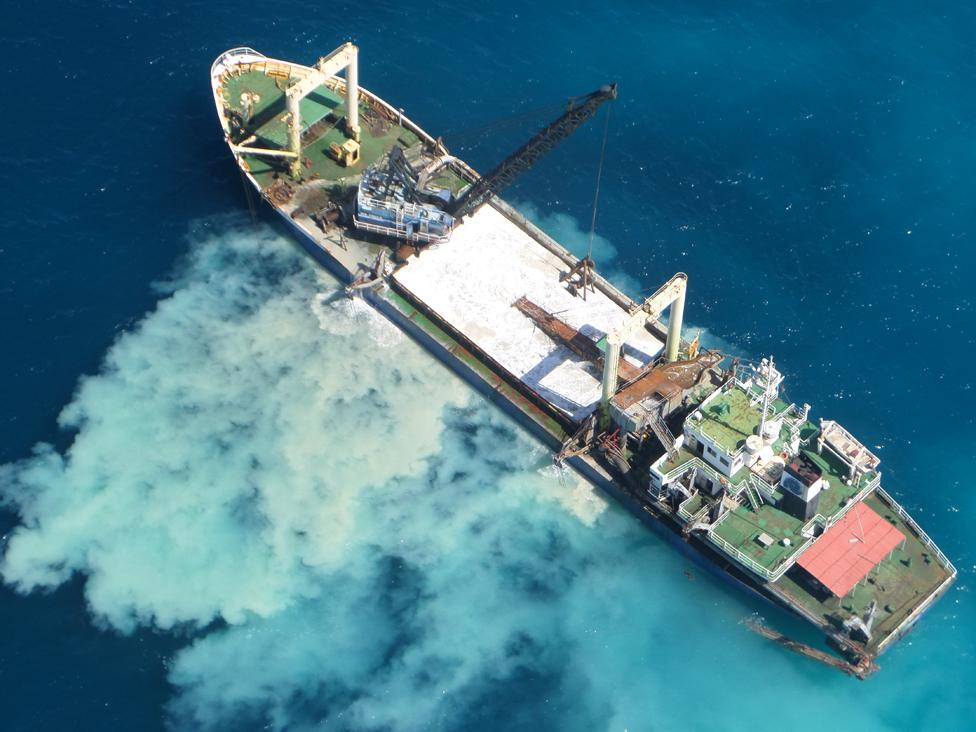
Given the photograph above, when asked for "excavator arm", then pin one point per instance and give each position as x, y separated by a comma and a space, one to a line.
579, 110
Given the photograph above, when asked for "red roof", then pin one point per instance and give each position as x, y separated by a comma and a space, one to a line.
849, 549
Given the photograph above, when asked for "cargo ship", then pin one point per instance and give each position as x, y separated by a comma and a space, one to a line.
700, 445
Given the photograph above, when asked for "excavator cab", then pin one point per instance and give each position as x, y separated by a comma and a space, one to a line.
346, 154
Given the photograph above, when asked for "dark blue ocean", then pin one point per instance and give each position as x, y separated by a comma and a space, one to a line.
234, 501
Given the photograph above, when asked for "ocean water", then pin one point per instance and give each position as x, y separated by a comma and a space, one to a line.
233, 499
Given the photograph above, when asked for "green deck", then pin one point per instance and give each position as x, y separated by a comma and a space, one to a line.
268, 116
899, 583
730, 418
741, 526
694, 504
321, 106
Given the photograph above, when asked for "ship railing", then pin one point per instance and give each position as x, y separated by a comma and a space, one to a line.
682, 507
807, 528
766, 489
770, 575
923, 537
775, 574
395, 206
862, 493
699, 464
400, 231
240, 51
915, 614
701, 512
233, 53
741, 556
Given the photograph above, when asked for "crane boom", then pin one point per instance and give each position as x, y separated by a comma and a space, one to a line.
579, 110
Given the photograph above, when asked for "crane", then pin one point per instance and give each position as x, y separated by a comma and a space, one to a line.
670, 294
578, 111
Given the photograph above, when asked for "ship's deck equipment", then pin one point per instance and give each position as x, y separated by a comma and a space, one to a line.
722, 480
578, 111
397, 200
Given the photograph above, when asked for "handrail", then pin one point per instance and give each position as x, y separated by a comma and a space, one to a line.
685, 513
772, 575
695, 462
231, 53
915, 614
739, 555
691, 518
807, 528
767, 489
906, 517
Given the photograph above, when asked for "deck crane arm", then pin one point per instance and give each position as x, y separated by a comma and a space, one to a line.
579, 110
670, 294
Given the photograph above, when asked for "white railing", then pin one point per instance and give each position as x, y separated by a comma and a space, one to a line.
807, 528
754, 497
401, 231
772, 575
684, 512
232, 53
855, 499
915, 614
766, 489
734, 489
925, 539
740, 556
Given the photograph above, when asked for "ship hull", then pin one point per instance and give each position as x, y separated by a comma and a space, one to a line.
391, 299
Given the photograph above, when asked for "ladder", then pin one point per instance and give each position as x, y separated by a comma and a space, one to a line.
663, 434
699, 521
754, 496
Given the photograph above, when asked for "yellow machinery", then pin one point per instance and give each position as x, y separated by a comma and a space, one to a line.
347, 153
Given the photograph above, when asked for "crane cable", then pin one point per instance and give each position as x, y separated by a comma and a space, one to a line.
599, 175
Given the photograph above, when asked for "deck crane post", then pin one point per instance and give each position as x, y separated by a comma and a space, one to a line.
345, 57
579, 110
671, 293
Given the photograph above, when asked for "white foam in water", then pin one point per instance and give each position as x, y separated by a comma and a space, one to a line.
251, 452
341, 315
575, 494
385, 550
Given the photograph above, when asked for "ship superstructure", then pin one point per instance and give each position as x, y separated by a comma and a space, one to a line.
705, 447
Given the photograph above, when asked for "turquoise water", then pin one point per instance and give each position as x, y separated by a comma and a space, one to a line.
235, 500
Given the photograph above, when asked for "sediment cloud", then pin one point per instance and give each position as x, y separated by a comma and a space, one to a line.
355, 540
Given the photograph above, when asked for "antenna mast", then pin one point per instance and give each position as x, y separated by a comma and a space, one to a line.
766, 372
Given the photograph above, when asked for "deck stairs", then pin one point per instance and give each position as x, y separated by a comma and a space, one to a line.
699, 521
663, 434
753, 495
